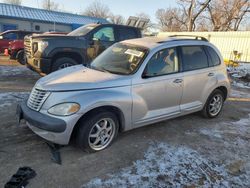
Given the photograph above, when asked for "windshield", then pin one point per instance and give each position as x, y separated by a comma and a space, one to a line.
81, 31
120, 59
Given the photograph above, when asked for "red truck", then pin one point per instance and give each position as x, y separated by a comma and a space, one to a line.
16, 51
15, 48
9, 36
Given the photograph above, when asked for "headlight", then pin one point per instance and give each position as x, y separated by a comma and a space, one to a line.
64, 109
42, 45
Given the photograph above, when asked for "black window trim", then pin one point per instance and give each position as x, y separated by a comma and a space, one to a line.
181, 55
210, 58
179, 65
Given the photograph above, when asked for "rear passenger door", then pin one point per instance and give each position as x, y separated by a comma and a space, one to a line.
198, 77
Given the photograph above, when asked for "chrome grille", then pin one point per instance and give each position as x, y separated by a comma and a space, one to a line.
28, 46
37, 98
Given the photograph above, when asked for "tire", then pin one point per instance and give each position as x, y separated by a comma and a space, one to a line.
63, 62
212, 108
20, 57
90, 137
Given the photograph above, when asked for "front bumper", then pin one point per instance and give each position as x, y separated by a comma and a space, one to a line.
40, 120
50, 128
40, 65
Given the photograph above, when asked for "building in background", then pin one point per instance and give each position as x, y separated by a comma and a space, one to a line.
14, 17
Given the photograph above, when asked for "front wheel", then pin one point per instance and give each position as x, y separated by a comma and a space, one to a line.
214, 104
97, 131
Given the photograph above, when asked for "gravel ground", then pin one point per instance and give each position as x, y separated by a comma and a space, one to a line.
189, 151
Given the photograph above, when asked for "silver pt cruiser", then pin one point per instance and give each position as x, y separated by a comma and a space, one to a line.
131, 84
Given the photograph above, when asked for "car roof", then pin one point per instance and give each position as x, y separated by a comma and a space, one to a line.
152, 42
15, 31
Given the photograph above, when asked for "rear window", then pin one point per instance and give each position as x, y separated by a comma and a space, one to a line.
214, 58
193, 57
126, 33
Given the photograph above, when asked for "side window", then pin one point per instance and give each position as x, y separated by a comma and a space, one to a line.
214, 58
10, 36
22, 35
162, 63
125, 34
193, 57
105, 34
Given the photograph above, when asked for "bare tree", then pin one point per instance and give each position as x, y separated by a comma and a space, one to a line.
50, 5
192, 10
97, 9
227, 15
116, 19
13, 2
185, 17
171, 19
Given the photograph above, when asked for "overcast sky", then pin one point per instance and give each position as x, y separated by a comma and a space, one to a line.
126, 7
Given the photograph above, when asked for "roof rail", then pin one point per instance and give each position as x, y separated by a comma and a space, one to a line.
191, 36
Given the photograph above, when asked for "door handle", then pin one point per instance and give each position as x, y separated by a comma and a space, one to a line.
211, 74
177, 81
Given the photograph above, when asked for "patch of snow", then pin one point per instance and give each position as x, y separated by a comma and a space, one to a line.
9, 98
241, 85
239, 94
211, 133
239, 128
16, 70
241, 70
167, 166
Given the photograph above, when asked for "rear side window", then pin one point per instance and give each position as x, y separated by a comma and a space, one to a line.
214, 58
193, 57
126, 33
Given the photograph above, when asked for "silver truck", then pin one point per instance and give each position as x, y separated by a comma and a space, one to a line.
131, 84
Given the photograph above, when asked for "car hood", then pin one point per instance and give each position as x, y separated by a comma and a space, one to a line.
81, 78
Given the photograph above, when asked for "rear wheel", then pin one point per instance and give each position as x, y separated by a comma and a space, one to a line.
97, 132
214, 104
62, 63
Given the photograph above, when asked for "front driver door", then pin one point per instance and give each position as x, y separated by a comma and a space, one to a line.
101, 40
157, 95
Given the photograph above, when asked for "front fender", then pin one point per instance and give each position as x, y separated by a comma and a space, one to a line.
119, 97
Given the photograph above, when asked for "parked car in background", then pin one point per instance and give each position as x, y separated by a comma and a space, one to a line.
131, 84
47, 53
11, 35
16, 48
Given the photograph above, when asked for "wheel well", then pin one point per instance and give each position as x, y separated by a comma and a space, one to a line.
224, 91
112, 109
73, 55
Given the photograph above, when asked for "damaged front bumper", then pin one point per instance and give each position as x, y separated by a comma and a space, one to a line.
49, 128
